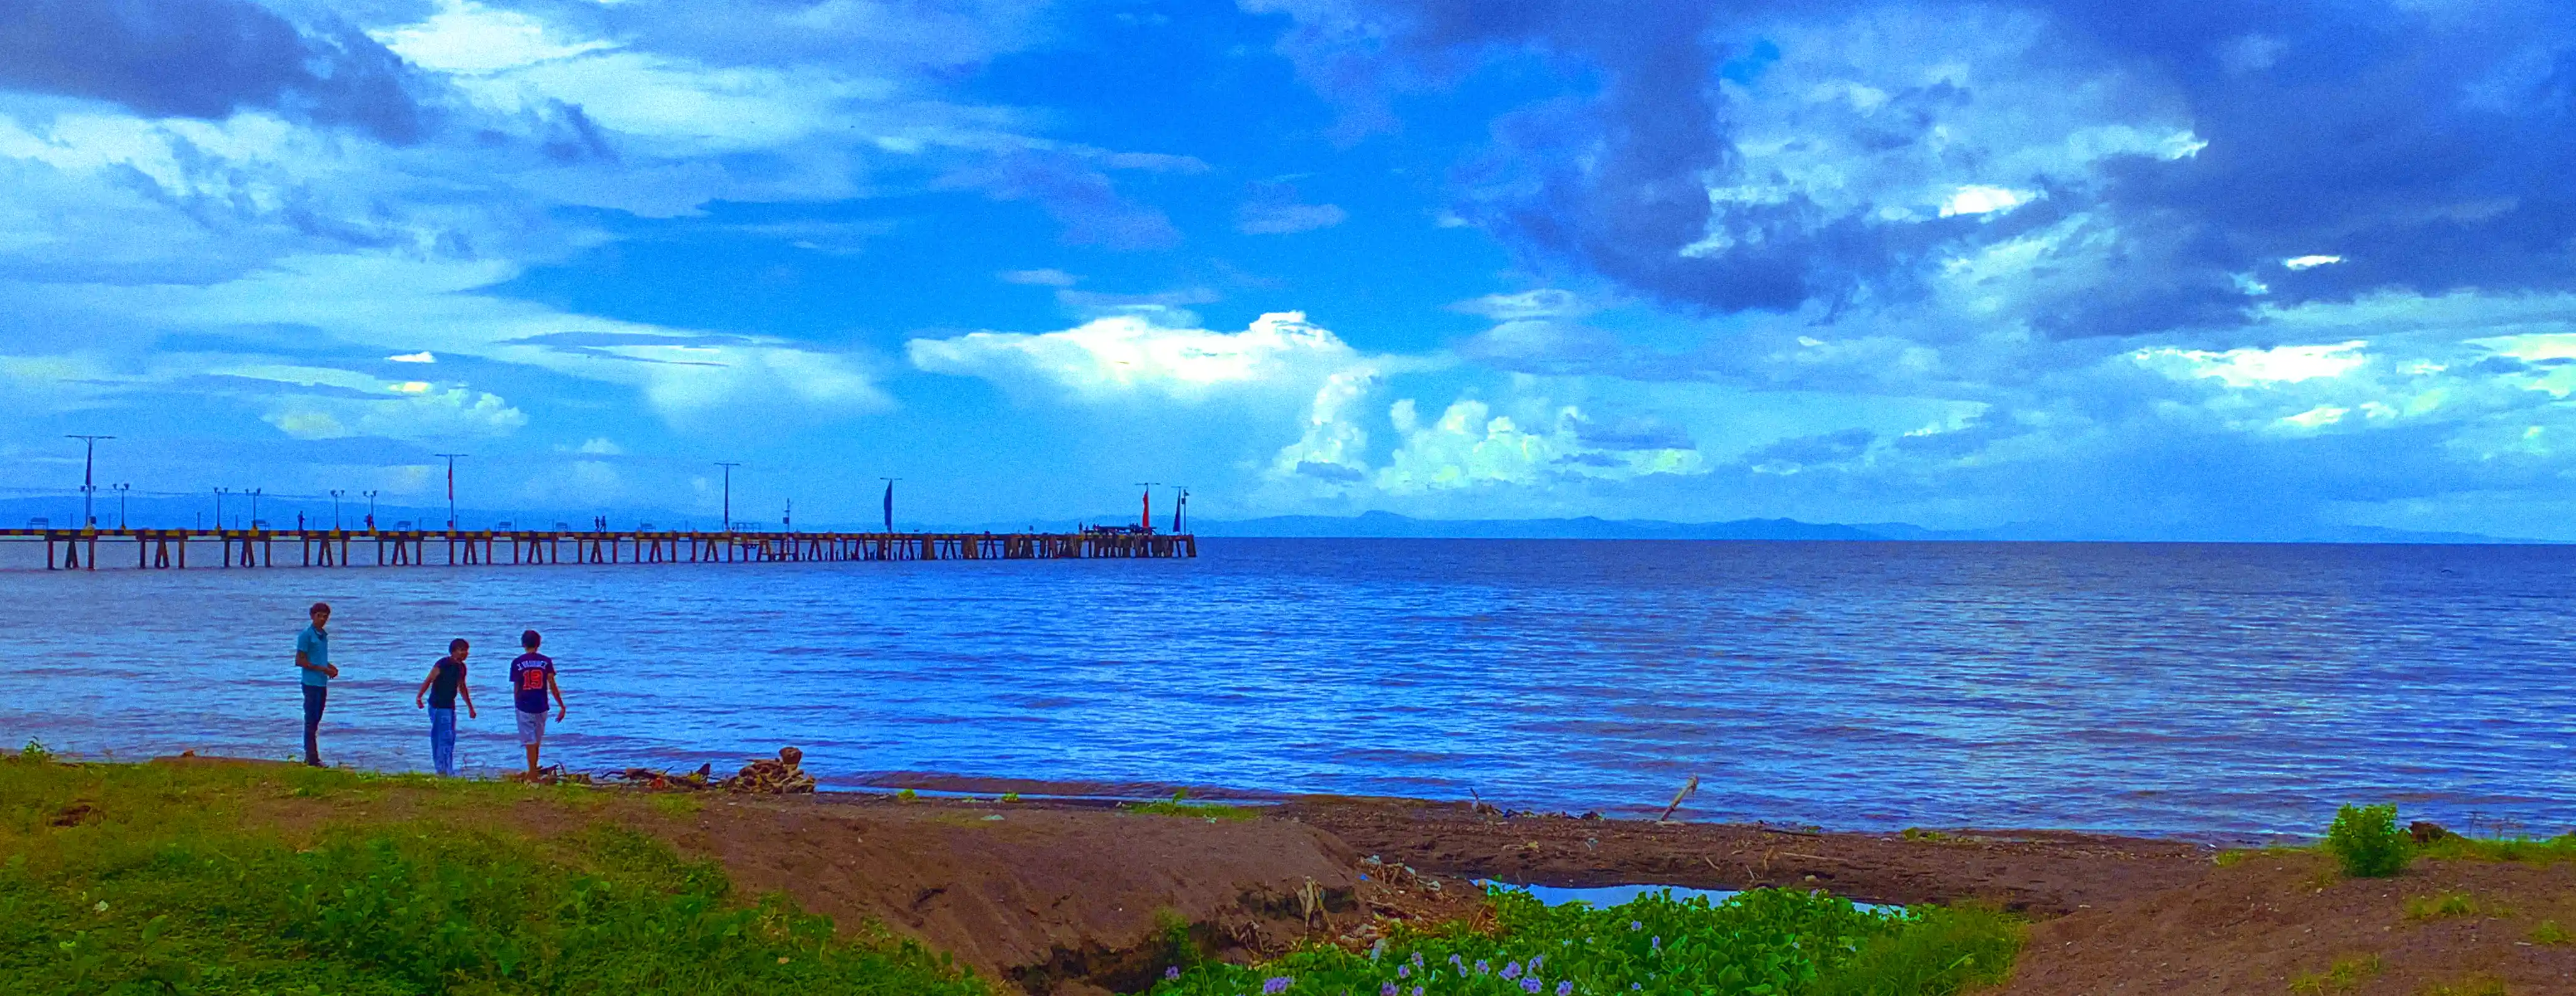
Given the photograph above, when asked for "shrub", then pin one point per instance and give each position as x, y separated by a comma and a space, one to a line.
2366, 840
1762, 941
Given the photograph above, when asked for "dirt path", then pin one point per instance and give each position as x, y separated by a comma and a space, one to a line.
2258, 925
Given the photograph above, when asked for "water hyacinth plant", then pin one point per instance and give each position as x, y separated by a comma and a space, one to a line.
1773, 942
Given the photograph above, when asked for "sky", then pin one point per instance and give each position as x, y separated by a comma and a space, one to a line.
2140, 269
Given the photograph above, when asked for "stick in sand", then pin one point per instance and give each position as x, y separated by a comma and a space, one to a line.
1685, 793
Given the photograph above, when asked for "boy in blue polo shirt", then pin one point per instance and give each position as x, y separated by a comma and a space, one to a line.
313, 662
531, 677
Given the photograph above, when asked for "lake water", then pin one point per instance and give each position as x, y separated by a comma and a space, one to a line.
2202, 690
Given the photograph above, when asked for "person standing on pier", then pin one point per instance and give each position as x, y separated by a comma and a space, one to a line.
532, 676
313, 662
445, 682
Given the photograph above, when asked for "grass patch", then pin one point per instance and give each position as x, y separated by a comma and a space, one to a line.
2528, 850
2476, 985
121, 878
1178, 805
1761, 941
2549, 932
2345, 975
2442, 906
2241, 855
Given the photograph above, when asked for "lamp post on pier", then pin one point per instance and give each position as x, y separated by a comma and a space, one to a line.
120, 504
254, 494
89, 487
219, 508
335, 509
728, 494
371, 510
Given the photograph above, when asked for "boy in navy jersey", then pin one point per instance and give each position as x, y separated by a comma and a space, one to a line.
531, 677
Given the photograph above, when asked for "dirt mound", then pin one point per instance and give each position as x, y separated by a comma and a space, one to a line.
2041, 872
1052, 898
2261, 924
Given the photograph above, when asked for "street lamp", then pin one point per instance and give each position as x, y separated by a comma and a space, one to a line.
120, 504
89, 462
371, 511
254, 494
335, 509
728, 493
219, 508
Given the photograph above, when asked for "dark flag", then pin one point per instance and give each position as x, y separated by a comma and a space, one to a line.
889, 507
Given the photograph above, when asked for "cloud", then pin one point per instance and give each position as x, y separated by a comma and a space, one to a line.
419, 357
1039, 278
204, 59
1839, 156
1472, 447
1126, 356
466, 37
1544, 302
2252, 367
1286, 219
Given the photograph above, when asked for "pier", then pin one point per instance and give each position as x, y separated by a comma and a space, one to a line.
168, 549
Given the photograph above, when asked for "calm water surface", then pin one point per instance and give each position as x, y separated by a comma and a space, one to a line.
2184, 689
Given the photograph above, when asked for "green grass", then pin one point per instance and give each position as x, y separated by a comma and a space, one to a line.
1177, 806
1766, 941
2528, 850
129, 879
2345, 975
2549, 932
2442, 906
2476, 985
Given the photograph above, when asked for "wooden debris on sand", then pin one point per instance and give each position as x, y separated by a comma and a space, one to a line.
766, 776
652, 780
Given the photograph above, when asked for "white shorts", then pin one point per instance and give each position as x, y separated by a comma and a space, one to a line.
532, 728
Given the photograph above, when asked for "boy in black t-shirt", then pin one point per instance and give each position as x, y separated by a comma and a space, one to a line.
445, 682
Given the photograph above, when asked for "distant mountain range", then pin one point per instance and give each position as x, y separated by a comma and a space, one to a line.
160, 511
1392, 525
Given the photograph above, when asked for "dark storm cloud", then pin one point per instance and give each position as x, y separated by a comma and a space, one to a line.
2433, 148
203, 59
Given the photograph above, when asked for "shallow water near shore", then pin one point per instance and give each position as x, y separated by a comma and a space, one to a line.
2200, 690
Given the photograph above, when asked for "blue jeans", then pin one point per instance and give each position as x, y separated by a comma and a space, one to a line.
314, 697
442, 740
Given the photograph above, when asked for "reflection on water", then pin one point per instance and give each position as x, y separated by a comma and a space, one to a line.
2160, 688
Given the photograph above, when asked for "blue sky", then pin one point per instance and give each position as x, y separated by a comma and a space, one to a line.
2128, 269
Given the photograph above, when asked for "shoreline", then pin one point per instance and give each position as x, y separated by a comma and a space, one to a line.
1081, 895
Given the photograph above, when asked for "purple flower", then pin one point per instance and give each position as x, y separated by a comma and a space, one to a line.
1404, 971
1386, 990
1530, 985
1173, 972
1536, 961
1277, 985
1482, 968
1511, 971
1656, 943
1417, 958
1417, 991
1634, 925
1565, 989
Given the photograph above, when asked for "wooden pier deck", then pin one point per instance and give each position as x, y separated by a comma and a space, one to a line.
167, 549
